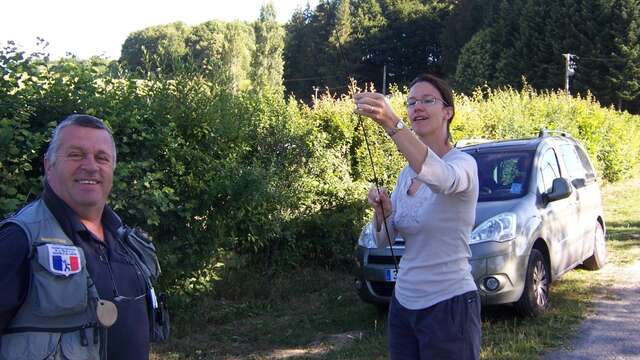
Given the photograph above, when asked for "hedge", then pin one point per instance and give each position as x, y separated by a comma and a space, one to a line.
223, 179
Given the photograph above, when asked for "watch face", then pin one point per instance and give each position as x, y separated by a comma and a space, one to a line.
399, 126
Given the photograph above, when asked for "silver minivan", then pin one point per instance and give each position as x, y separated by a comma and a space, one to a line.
539, 215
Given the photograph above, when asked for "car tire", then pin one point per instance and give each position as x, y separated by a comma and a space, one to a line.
535, 296
599, 257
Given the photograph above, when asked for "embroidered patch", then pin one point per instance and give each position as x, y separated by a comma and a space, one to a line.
64, 259
53, 240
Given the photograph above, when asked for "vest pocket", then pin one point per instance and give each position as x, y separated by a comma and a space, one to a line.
74, 349
28, 346
55, 293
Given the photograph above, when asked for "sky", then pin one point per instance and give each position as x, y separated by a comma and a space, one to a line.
99, 27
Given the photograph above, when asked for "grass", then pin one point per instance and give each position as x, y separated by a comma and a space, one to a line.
298, 315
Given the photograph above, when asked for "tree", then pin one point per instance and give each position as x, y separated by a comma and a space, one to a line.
239, 44
341, 36
410, 43
537, 60
624, 64
298, 58
156, 49
309, 60
205, 44
467, 18
267, 63
476, 65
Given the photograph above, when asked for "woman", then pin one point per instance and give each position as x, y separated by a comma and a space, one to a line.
435, 309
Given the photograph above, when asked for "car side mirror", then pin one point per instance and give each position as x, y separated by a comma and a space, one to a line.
560, 189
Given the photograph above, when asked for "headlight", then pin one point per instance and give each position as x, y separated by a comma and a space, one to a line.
499, 228
367, 238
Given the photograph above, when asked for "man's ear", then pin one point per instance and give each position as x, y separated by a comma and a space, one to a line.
47, 164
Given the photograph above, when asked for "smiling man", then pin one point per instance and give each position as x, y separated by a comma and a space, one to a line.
72, 289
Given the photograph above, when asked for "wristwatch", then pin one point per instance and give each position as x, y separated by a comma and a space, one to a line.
399, 126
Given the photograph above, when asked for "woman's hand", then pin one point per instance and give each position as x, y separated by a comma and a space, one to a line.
381, 203
376, 107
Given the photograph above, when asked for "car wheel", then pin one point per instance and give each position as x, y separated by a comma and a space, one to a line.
599, 257
535, 296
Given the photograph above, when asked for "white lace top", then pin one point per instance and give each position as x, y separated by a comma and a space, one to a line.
436, 223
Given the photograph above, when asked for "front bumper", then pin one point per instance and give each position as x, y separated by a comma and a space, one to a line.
490, 260
370, 282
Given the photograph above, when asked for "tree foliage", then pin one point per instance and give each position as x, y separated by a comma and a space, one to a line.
528, 38
223, 176
156, 49
222, 51
471, 42
356, 39
267, 63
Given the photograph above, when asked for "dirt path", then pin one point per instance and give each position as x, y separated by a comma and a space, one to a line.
613, 331
316, 348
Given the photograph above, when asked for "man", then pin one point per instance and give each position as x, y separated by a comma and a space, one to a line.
59, 250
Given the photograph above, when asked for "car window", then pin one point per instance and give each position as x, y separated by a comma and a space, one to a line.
572, 162
503, 175
586, 164
549, 170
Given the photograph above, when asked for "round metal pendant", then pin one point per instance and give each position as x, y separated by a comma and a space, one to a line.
107, 313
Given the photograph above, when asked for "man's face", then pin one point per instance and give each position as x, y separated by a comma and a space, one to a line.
82, 174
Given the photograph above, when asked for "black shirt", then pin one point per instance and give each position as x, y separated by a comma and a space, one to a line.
110, 267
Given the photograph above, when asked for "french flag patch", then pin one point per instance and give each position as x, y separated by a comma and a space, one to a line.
64, 259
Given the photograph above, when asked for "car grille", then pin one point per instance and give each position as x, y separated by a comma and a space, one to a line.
382, 288
384, 260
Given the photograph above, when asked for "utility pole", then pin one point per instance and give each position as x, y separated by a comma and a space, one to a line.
315, 98
384, 79
570, 70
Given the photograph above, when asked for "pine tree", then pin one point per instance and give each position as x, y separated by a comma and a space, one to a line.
476, 65
624, 63
538, 63
340, 38
368, 30
468, 17
301, 66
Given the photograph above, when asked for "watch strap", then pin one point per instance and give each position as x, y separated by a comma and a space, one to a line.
394, 130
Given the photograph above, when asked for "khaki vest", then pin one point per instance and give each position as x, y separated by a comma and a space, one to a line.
58, 317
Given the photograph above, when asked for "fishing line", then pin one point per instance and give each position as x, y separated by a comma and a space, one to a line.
377, 183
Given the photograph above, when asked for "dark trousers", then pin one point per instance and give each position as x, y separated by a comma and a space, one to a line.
450, 329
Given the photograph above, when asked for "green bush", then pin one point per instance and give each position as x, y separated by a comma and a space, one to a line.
224, 179
612, 138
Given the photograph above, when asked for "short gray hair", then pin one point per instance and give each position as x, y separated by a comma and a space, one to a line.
81, 120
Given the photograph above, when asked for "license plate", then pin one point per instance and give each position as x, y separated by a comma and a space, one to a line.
390, 274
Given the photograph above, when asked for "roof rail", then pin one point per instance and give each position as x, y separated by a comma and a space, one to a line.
546, 132
472, 141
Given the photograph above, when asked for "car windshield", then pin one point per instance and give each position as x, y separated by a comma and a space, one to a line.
503, 175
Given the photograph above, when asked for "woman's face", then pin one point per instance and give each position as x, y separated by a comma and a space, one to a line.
427, 110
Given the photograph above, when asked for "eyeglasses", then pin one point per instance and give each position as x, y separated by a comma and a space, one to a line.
128, 298
117, 297
428, 101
